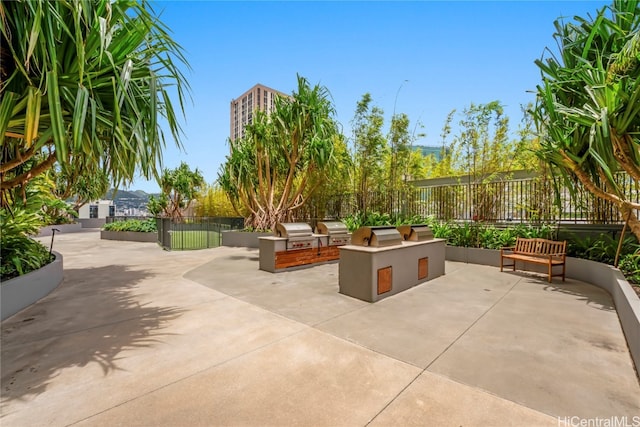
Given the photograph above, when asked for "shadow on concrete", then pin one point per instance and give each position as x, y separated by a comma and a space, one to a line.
93, 317
250, 257
589, 294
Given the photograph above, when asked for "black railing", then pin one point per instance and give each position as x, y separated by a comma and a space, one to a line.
528, 200
194, 232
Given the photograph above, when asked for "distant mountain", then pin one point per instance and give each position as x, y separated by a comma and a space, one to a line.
132, 203
124, 194
141, 193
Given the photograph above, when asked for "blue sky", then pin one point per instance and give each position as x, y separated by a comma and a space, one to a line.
424, 58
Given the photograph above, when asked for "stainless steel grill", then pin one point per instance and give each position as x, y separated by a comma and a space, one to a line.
415, 232
336, 231
298, 234
377, 236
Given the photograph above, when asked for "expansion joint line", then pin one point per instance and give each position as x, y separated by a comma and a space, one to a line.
444, 351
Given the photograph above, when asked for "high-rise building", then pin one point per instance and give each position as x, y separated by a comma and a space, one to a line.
259, 97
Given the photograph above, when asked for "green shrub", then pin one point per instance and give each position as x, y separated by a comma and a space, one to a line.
630, 267
481, 235
442, 230
19, 253
359, 219
146, 226
602, 248
256, 230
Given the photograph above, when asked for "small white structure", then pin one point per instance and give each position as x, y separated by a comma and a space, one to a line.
97, 209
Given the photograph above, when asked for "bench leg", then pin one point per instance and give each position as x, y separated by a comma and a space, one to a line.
563, 270
550, 272
508, 265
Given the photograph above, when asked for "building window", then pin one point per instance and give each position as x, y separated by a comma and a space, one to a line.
93, 211
112, 210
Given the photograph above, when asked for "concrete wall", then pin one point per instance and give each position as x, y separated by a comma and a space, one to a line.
62, 228
242, 239
92, 222
598, 274
129, 236
22, 291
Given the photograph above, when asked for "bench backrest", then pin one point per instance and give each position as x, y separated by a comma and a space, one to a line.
539, 246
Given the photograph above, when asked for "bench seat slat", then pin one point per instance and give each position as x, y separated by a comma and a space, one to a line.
534, 258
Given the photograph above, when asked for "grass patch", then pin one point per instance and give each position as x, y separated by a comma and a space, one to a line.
194, 239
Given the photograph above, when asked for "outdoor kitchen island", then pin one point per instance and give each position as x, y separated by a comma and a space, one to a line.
382, 264
294, 245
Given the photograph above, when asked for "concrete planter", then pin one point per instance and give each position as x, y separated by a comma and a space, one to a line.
596, 273
243, 239
473, 255
62, 228
129, 236
455, 253
92, 222
22, 291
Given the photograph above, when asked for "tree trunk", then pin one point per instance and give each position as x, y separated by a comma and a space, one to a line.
634, 223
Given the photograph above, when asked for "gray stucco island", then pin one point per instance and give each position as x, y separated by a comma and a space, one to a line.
373, 273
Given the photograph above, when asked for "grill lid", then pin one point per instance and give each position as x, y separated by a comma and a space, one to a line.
376, 236
293, 229
415, 232
331, 228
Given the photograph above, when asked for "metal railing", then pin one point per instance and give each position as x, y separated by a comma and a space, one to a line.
524, 200
194, 232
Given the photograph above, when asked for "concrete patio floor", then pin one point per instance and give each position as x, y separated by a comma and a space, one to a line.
139, 336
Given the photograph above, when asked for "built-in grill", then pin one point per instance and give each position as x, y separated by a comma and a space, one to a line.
376, 236
415, 232
336, 231
298, 234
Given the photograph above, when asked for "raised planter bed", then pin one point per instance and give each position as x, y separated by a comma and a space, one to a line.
62, 228
598, 274
129, 236
92, 222
22, 291
243, 239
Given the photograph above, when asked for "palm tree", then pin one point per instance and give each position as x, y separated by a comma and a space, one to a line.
588, 105
283, 157
85, 83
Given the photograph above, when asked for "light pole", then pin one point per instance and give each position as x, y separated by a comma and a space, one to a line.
396, 98
394, 156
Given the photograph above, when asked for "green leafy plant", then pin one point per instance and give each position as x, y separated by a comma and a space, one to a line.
442, 229
587, 111
602, 248
630, 267
85, 85
359, 219
136, 225
19, 253
255, 230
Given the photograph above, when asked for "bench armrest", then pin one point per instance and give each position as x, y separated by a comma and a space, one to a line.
507, 248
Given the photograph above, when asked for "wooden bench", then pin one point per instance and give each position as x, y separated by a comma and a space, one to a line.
537, 251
